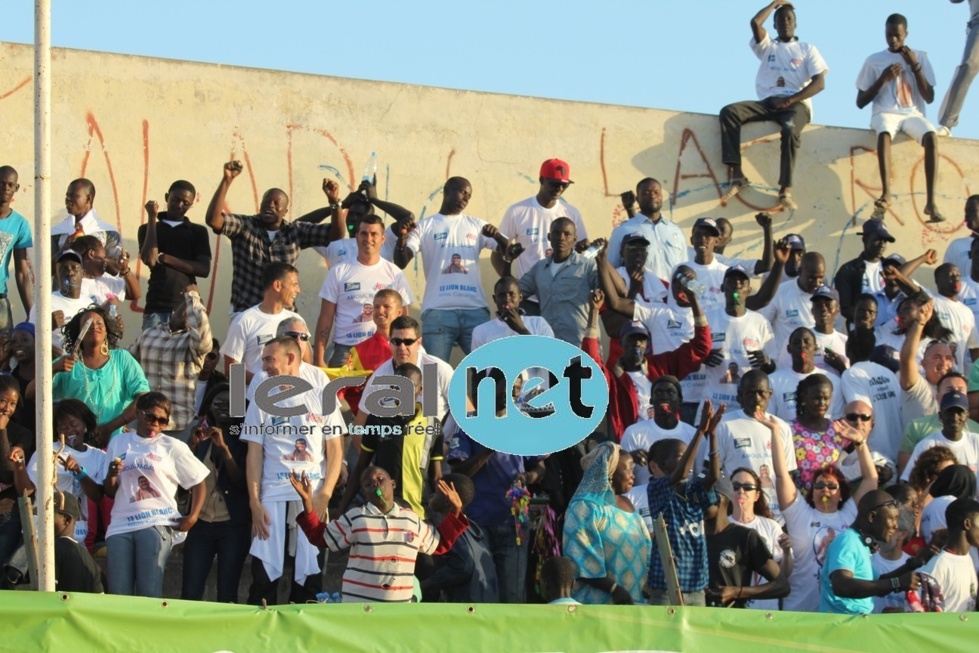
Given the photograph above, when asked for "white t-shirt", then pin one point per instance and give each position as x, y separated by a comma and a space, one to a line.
639, 496
292, 444
450, 247
918, 401
966, 450
969, 293
933, 516
784, 382
958, 252
92, 461
712, 276
877, 386
444, 378
653, 290
669, 327
152, 470
811, 532
734, 336
641, 436
497, 328
835, 342
249, 332
529, 223
873, 278
769, 530
101, 287
786, 68
70, 307
743, 441
956, 576
790, 309
352, 286
900, 95
345, 249
884, 566
958, 318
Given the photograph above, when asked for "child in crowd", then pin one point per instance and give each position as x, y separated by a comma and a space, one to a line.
556, 580
384, 539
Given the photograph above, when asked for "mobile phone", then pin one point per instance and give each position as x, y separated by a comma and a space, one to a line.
206, 428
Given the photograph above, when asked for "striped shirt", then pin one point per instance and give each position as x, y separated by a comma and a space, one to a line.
383, 548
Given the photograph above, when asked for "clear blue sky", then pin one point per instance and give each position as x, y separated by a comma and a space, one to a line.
682, 55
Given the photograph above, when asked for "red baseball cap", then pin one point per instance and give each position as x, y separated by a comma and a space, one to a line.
556, 169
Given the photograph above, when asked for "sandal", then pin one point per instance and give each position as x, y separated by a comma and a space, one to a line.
785, 199
880, 209
934, 215
735, 186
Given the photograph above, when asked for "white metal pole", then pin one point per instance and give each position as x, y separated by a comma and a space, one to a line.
42, 290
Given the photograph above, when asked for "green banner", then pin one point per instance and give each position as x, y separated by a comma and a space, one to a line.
73, 623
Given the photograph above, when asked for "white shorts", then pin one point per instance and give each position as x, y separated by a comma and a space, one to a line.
914, 125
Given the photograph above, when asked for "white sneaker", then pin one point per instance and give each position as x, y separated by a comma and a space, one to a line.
944, 132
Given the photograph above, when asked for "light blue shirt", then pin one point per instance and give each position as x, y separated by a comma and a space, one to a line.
846, 551
15, 233
667, 246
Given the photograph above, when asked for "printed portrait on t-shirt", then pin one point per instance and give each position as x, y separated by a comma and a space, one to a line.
367, 314
821, 541
300, 453
732, 375
145, 491
765, 474
456, 266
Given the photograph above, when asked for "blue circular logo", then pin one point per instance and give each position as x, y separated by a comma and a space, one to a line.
563, 399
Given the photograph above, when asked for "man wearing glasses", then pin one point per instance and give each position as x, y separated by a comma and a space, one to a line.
295, 328
846, 583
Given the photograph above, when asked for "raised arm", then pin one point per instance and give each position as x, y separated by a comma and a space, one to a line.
768, 254
858, 436
909, 374
766, 293
758, 20
215, 210
784, 485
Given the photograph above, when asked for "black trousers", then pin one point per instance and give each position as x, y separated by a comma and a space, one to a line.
792, 121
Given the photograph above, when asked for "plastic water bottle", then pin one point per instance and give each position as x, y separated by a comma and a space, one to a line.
694, 286
371, 168
592, 251
113, 312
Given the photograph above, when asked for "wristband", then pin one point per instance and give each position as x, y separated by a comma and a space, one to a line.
334, 207
81, 474
895, 583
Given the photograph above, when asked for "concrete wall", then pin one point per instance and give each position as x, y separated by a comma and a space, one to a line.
133, 125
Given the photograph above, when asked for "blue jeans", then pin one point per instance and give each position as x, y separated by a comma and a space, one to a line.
151, 320
441, 329
510, 560
10, 534
204, 541
135, 561
339, 356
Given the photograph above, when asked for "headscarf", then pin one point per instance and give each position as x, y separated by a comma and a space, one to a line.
955, 480
599, 464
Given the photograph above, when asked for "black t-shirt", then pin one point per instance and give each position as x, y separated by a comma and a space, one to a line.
187, 241
75, 570
15, 436
733, 555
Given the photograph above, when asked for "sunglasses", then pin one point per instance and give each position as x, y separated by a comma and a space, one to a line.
297, 335
153, 419
887, 504
823, 485
853, 417
747, 487
407, 342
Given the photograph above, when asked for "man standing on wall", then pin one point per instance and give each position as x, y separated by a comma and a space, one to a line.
791, 72
15, 238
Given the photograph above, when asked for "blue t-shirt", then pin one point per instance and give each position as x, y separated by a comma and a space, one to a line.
846, 551
489, 506
683, 511
15, 233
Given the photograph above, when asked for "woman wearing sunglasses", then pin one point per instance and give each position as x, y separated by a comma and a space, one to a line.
143, 471
827, 508
750, 509
106, 379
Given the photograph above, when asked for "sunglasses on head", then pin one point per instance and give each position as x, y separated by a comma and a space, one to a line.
297, 335
823, 485
853, 417
407, 342
153, 419
747, 487
887, 504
